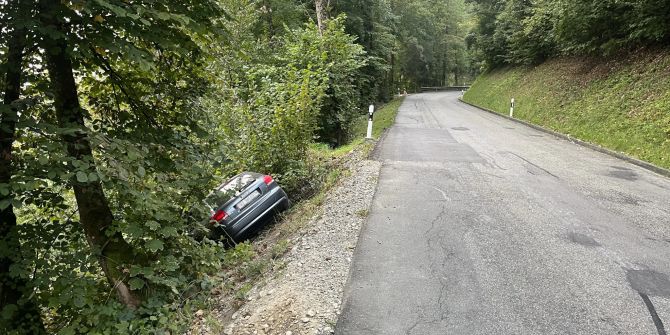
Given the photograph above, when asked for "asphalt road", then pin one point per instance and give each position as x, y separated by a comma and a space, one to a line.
484, 226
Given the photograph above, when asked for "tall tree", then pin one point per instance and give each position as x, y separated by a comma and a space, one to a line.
431, 40
118, 139
523, 31
19, 313
101, 37
94, 213
372, 22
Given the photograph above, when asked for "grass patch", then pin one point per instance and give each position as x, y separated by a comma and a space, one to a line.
215, 325
280, 248
619, 104
383, 119
242, 292
362, 213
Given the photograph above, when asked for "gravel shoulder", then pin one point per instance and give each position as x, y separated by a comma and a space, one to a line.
305, 296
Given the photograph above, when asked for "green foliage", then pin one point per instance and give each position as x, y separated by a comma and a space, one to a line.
241, 254
372, 22
271, 129
527, 32
177, 96
384, 118
621, 105
280, 102
432, 42
334, 54
139, 70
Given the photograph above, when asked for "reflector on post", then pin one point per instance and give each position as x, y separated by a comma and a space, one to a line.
370, 116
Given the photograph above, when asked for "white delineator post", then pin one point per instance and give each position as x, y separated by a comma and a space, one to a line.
511, 108
370, 113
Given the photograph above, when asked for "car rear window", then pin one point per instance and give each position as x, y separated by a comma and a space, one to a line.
228, 190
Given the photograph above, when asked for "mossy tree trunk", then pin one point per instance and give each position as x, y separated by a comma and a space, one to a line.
113, 252
321, 14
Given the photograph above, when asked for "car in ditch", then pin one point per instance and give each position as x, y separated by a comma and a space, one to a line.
243, 204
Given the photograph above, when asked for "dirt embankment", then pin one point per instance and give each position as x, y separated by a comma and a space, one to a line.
304, 296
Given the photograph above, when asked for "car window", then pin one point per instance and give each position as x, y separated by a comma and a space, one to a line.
228, 190
237, 184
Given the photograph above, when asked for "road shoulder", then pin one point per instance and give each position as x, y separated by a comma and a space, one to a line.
304, 296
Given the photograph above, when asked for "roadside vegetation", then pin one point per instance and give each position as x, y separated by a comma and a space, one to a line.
118, 116
620, 104
384, 117
248, 265
512, 32
596, 70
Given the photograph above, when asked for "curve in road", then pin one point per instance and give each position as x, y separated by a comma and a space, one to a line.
484, 226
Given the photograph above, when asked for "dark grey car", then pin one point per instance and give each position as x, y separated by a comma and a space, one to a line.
244, 203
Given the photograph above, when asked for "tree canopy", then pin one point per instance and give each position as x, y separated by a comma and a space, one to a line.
119, 115
530, 31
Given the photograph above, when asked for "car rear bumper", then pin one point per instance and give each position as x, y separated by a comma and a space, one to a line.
276, 200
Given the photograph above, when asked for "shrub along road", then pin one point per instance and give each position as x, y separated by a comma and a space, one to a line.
484, 226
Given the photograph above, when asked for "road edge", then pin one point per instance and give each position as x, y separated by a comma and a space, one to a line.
347, 290
646, 165
375, 152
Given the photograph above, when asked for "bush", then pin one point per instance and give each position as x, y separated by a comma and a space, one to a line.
302, 93
339, 58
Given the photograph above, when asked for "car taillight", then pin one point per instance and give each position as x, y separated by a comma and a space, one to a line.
268, 180
219, 216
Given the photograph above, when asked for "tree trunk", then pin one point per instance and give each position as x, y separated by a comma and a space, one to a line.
391, 76
457, 77
269, 19
321, 14
113, 252
26, 316
444, 80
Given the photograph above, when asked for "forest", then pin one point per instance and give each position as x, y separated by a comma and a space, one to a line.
596, 70
117, 115
528, 32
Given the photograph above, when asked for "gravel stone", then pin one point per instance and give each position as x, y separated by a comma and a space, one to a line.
317, 267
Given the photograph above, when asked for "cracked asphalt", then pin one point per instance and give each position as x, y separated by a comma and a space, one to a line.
480, 225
